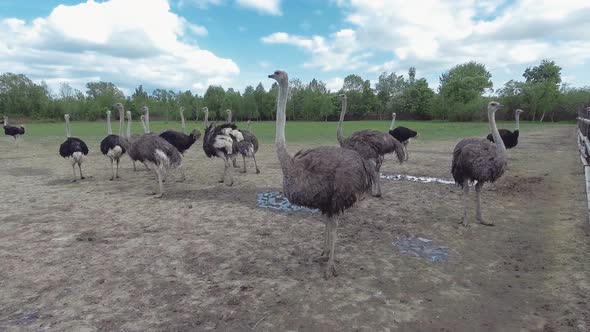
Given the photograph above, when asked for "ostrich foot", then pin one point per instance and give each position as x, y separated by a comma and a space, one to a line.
257, 171
483, 222
330, 270
242, 171
73, 181
229, 183
221, 181
118, 177
111, 179
377, 195
465, 223
82, 177
159, 195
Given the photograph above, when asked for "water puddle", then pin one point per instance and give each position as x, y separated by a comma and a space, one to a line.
277, 201
421, 179
421, 247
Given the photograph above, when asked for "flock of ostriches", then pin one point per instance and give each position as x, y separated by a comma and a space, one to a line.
327, 178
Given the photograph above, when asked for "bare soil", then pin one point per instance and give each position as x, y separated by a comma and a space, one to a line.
99, 255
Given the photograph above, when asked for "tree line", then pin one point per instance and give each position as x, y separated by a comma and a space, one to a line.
462, 95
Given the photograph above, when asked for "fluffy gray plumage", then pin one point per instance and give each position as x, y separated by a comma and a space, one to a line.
157, 154
248, 147
371, 145
328, 178
477, 159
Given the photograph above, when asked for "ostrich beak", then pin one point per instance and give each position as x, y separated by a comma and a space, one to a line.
272, 76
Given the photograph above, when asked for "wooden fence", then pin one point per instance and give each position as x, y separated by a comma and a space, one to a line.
583, 133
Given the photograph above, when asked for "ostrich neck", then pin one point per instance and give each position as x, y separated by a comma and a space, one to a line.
339, 136
392, 122
147, 121
128, 127
182, 122
109, 128
145, 130
68, 130
517, 121
121, 122
497, 138
228, 117
282, 153
206, 119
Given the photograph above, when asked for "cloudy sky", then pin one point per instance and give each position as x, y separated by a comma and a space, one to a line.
189, 44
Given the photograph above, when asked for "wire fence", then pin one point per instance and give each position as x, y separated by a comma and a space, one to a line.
584, 146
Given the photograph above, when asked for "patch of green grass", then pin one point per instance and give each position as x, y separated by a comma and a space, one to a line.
296, 131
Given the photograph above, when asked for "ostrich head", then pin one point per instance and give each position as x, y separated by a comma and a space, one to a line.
142, 117
128, 114
67, 117
119, 107
109, 114
145, 109
280, 76
196, 134
181, 109
493, 106
343, 96
518, 111
249, 122
205, 109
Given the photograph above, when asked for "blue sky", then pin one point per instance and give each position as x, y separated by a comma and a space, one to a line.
189, 44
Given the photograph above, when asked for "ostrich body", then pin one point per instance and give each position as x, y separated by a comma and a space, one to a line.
113, 146
247, 146
331, 179
74, 149
402, 134
477, 159
181, 141
510, 138
370, 144
14, 132
130, 138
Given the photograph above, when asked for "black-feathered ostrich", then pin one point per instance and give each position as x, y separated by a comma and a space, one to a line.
402, 134
510, 138
114, 146
246, 147
218, 141
370, 144
327, 178
179, 140
14, 132
73, 148
477, 159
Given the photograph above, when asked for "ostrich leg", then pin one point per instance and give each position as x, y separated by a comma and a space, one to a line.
407, 155
80, 167
378, 182
134, 168
465, 222
182, 174
234, 161
117, 170
227, 177
244, 161
478, 216
255, 164
112, 171
331, 227
74, 170
159, 190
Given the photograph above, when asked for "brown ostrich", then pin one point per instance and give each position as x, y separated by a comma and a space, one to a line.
477, 159
370, 144
328, 178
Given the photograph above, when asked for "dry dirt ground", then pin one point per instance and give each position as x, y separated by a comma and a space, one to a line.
97, 255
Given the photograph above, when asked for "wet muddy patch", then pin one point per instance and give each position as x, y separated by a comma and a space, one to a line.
421, 247
277, 201
420, 179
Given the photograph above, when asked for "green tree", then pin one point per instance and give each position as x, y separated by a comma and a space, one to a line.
542, 87
213, 99
417, 99
461, 89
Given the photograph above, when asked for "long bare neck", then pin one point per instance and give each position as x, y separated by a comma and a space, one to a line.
517, 117
68, 129
206, 119
6, 121
147, 121
182, 122
497, 138
109, 128
128, 126
121, 122
281, 145
249, 127
392, 122
229, 117
145, 129
339, 136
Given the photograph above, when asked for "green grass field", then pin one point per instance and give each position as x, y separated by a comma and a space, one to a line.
297, 132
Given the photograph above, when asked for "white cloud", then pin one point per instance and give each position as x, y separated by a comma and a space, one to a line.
271, 7
334, 84
340, 51
435, 35
112, 41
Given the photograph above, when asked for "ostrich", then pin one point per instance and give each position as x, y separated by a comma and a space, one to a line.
218, 141
181, 141
402, 134
510, 138
247, 147
477, 159
113, 146
14, 132
371, 144
73, 148
328, 178
206, 117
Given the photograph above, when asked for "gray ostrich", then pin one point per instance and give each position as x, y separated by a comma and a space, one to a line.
328, 178
477, 159
371, 144
157, 155
129, 137
247, 147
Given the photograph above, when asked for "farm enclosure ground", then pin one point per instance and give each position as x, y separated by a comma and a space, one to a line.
101, 255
